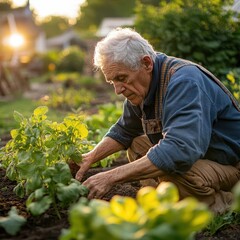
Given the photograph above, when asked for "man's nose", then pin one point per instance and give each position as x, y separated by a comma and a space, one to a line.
118, 86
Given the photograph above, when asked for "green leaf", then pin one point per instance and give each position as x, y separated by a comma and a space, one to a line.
18, 116
50, 143
38, 207
19, 190
125, 208
49, 173
39, 193
26, 169
163, 232
33, 183
23, 155
40, 110
76, 157
13, 222
62, 173
39, 159
167, 192
14, 133
70, 193
236, 201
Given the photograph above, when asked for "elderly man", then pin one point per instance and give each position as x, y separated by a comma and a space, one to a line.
179, 123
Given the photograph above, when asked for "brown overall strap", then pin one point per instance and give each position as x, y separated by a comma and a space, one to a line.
171, 65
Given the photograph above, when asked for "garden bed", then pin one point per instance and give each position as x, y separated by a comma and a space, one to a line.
48, 226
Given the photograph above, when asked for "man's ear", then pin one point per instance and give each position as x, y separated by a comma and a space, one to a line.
147, 62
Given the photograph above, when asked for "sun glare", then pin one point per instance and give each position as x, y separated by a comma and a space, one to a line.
15, 40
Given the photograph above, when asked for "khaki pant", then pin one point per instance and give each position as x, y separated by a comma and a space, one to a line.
207, 181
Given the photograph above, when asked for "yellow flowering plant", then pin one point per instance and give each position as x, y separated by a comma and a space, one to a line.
37, 159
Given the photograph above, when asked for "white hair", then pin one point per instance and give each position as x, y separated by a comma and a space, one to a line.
123, 45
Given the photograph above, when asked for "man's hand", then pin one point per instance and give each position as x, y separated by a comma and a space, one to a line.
99, 184
105, 148
84, 166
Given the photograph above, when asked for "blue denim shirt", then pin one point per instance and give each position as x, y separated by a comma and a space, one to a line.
199, 122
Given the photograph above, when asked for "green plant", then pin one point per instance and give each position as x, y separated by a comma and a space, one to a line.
13, 222
37, 158
46, 61
236, 203
219, 221
71, 59
155, 214
233, 83
188, 29
230, 217
67, 99
99, 124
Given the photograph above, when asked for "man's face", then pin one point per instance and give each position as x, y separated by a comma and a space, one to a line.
132, 84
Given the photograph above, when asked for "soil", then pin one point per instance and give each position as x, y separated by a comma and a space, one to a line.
48, 226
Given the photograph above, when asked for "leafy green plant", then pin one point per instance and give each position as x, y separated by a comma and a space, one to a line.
154, 214
230, 217
13, 222
219, 221
171, 28
37, 158
99, 124
71, 59
233, 83
236, 203
67, 99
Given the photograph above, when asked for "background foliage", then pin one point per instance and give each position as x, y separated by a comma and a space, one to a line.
92, 12
206, 32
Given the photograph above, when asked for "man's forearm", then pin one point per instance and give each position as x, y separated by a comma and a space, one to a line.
137, 170
105, 148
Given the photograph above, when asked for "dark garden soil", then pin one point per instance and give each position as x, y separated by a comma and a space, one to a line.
48, 226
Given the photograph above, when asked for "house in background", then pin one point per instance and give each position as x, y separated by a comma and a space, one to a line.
20, 35
20, 21
64, 40
236, 6
109, 24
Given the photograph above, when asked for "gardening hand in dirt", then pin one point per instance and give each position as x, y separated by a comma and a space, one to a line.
105, 148
84, 166
99, 185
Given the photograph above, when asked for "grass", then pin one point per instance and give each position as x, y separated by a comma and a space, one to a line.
25, 107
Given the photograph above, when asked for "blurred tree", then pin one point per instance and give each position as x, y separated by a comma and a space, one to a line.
71, 59
5, 5
150, 2
54, 25
205, 31
92, 12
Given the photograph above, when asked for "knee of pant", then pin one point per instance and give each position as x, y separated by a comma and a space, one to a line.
138, 148
189, 186
131, 155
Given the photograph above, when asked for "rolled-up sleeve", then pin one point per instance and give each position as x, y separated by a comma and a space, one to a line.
187, 125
